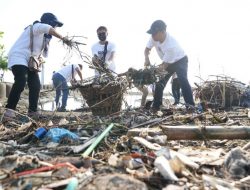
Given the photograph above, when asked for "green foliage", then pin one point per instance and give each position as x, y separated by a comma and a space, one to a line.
3, 58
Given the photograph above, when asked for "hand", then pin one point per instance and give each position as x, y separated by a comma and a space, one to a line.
67, 41
41, 60
147, 63
73, 82
162, 67
106, 65
95, 59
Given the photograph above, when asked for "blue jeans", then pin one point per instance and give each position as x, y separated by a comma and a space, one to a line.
60, 85
180, 67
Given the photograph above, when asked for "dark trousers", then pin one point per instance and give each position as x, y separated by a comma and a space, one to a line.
180, 67
23, 75
176, 90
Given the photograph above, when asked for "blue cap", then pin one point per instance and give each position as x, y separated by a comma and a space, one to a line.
51, 19
157, 26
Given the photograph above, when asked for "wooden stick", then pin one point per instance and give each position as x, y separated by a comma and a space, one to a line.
208, 132
197, 133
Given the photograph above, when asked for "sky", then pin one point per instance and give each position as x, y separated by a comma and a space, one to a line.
215, 34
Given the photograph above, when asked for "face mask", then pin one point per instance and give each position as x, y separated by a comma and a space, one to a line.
102, 36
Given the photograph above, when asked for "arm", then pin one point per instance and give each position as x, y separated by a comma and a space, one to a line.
53, 32
112, 50
111, 58
146, 55
79, 73
162, 67
65, 40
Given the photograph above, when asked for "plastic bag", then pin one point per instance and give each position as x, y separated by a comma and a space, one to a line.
58, 134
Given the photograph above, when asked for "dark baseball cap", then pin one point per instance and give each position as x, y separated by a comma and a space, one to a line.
157, 26
50, 19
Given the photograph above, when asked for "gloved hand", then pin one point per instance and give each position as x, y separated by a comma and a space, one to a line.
67, 41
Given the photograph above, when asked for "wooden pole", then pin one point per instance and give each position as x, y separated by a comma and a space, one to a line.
197, 133
208, 132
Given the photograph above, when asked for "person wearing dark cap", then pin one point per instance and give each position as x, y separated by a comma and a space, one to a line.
173, 59
103, 51
18, 58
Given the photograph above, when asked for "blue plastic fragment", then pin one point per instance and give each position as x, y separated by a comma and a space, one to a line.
57, 134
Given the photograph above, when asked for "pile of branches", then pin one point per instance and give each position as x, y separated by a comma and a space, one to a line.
146, 76
223, 91
141, 77
106, 97
75, 47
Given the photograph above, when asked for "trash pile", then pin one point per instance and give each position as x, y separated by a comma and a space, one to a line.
223, 92
130, 149
104, 98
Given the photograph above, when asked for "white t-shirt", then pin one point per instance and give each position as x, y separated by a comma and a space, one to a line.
66, 71
20, 52
169, 51
98, 49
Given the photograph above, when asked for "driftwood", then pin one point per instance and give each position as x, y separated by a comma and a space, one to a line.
208, 132
196, 132
150, 131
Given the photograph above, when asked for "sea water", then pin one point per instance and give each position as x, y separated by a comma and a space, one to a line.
77, 103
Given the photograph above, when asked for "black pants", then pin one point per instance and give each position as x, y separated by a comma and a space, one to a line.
176, 90
23, 75
180, 67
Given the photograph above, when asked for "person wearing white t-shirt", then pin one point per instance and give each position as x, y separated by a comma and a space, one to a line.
60, 79
103, 52
18, 58
173, 59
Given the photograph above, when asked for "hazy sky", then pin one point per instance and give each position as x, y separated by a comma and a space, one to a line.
215, 34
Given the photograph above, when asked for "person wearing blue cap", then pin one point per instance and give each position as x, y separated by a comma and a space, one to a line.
35, 37
173, 59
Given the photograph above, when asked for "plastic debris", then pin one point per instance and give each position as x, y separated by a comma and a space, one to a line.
58, 134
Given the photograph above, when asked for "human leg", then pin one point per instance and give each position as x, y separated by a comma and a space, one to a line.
34, 90
20, 73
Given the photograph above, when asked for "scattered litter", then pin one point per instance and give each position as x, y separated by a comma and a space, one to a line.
128, 149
